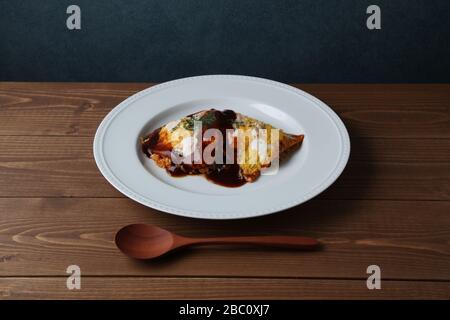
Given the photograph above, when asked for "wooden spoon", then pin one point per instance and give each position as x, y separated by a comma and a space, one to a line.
144, 241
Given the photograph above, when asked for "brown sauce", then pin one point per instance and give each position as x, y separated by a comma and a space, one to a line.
227, 175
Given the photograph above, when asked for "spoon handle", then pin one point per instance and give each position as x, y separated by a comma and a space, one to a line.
292, 242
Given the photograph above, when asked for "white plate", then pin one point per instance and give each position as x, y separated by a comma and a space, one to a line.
310, 170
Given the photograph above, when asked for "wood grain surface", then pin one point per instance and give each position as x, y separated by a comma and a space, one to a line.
216, 288
391, 206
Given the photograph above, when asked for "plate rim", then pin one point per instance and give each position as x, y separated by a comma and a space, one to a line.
124, 189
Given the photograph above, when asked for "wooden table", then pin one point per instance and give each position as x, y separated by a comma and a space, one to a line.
391, 206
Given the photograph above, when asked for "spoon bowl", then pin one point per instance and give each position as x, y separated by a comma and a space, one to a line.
144, 241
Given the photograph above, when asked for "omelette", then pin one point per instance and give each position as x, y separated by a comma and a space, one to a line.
227, 147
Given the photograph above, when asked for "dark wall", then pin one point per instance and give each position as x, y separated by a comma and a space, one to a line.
290, 41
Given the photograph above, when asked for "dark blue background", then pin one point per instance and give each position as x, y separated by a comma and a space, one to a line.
286, 40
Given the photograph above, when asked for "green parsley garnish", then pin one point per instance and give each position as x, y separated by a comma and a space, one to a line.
208, 118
